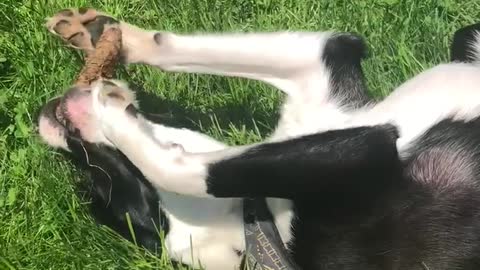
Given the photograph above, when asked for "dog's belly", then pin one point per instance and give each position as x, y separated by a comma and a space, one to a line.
445, 91
450, 90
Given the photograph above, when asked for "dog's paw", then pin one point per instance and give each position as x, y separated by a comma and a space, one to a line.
116, 95
115, 108
80, 28
120, 122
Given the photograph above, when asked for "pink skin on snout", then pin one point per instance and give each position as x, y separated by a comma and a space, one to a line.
78, 110
74, 112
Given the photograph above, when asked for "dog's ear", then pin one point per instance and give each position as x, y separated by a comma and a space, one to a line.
461, 49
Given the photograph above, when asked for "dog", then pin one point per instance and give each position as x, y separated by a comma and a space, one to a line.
350, 183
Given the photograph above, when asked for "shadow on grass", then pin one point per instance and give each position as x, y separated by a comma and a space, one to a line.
172, 113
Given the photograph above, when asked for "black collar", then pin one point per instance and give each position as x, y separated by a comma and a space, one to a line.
264, 247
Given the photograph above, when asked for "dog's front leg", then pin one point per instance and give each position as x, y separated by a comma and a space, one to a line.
343, 161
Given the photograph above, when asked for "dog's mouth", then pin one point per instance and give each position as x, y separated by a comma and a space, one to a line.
55, 111
67, 115
73, 114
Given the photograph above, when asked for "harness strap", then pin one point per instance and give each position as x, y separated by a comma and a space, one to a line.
264, 247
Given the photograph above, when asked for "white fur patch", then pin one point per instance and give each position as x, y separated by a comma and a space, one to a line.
53, 135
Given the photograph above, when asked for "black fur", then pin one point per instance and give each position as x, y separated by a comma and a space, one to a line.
460, 50
342, 55
118, 187
308, 165
427, 218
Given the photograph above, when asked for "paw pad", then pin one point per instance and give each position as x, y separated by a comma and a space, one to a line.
115, 94
80, 28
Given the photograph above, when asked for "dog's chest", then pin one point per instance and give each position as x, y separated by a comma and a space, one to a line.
205, 230
211, 230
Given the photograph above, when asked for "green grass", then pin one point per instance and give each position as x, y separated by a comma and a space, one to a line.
44, 225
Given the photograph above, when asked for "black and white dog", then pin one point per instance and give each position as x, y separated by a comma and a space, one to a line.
350, 184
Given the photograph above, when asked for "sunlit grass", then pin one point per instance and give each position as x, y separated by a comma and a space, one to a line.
44, 223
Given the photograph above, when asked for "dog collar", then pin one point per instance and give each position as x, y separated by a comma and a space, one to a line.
264, 247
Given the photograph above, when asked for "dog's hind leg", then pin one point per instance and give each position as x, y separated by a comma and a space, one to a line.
320, 71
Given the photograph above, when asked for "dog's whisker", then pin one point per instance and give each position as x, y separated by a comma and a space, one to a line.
101, 169
425, 266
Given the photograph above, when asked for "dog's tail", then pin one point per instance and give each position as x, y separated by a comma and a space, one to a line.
466, 44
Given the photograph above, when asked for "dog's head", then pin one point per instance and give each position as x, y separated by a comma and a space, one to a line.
117, 186
72, 115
